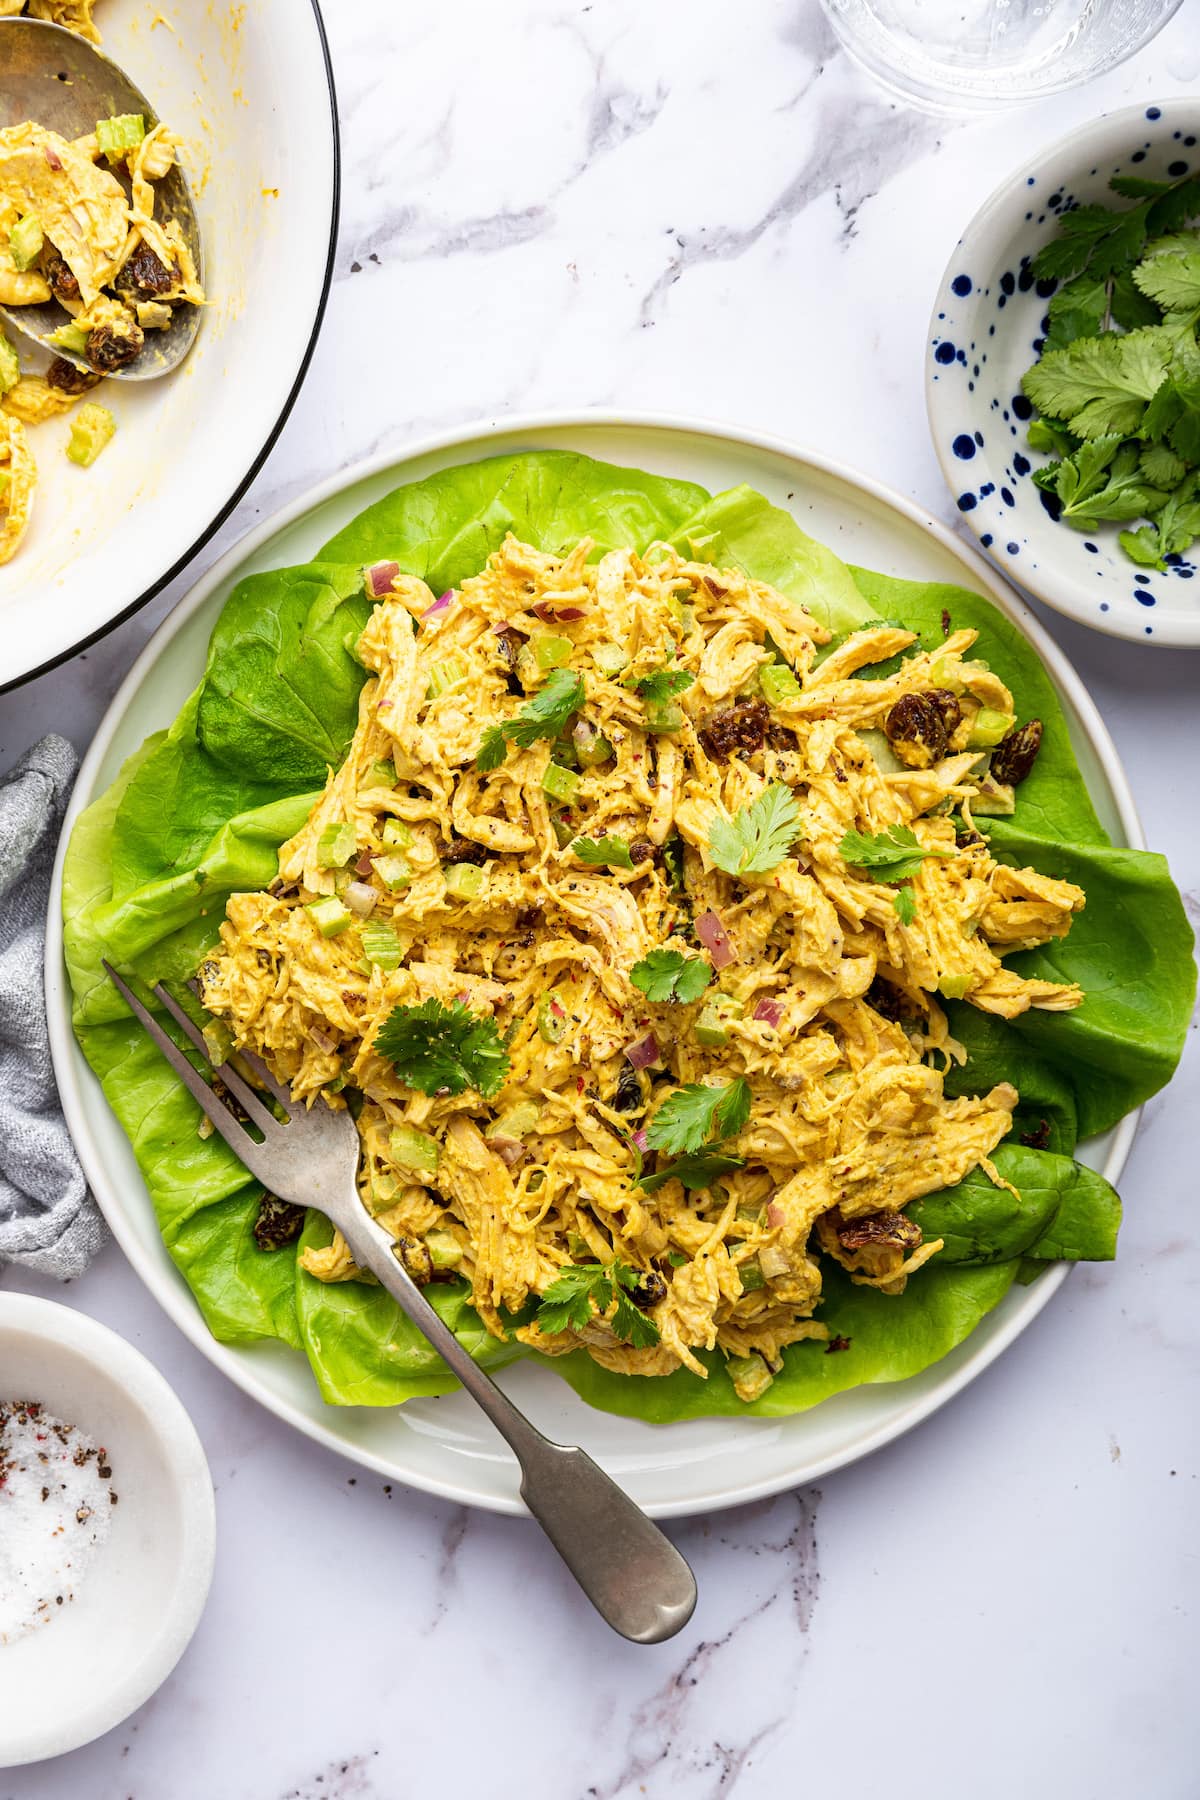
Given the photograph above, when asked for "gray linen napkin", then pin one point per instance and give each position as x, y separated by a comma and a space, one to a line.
48, 1220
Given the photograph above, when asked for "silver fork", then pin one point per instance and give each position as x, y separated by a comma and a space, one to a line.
632, 1574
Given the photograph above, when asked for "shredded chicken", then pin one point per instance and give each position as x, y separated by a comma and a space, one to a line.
848, 1122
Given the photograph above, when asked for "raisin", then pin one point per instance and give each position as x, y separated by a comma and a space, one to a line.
1015, 755
642, 850
68, 378
510, 643
740, 727
918, 726
415, 1259
57, 271
889, 1002
649, 1290
628, 1097
278, 1223
146, 275
1039, 1139
885, 1227
781, 739
108, 349
462, 850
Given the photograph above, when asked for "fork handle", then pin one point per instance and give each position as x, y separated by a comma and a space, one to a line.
630, 1570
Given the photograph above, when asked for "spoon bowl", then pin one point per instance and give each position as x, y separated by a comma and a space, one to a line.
49, 75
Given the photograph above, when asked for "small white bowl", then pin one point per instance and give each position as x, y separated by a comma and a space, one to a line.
985, 331
66, 1682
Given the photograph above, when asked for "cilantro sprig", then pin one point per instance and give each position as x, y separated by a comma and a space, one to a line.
695, 1172
545, 716
1117, 385
663, 685
905, 905
444, 1049
893, 855
568, 1301
668, 975
690, 1115
758, 836
604, 852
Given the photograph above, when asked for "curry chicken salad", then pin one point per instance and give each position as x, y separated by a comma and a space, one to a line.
623, 929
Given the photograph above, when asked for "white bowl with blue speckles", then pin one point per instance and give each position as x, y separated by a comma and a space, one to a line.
985, 331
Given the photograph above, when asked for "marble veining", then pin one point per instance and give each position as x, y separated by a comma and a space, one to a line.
703, 209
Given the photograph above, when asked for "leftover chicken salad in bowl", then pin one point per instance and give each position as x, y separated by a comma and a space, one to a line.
70, 232
716, 946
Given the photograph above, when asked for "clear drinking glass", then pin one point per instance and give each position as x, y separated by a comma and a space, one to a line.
961, 55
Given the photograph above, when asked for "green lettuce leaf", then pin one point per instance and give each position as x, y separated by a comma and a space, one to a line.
200, 811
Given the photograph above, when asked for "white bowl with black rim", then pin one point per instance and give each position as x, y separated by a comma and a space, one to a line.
445, 1445
986, 328
250, 89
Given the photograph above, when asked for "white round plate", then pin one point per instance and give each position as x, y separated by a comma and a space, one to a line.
91, 1665
250, 90
986, 330
444, 1445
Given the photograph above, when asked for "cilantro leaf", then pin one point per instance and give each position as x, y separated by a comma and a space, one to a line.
895, 854
1142, 547
542, 717
698, 1171
666, 975
905, 905
1171, 279
605, 852
1101, 385
687, 1117
440, 1048
1103, 480
567, 1302
758, 836
663, 685
1161, 467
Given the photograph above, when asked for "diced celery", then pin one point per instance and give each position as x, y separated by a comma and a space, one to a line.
578, 1247
25, 241
445, 1251
663, 716
443, 676
885, 757
528, 673
463, 880
91, 429
384, 1189
336, 846
591, 746
70, 337
10, 365
559, 783
329, 915
714, 1019
778, 684
381, 946
988, 727
218, 1041
750, 1376
381, 775
396, 832
954, 987
563, 831
685, 614
412, 1149
553, 1019
395, 872
550, 652
517, 1122
994, 800
120, 134
610, 659
750, 1275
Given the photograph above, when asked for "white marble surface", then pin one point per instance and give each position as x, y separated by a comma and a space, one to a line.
702, 208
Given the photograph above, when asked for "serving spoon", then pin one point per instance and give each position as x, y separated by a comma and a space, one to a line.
60, 81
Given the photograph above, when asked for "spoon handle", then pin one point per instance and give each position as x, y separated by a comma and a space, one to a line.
629, 1569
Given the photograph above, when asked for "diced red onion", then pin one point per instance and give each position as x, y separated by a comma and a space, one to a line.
379, 579
775, 1214
641, 1141
360, 899
52, 157
321, 1039
716, 940
769, 1012
440, 604
643, 1052
365, 863
558, 615
510, 1150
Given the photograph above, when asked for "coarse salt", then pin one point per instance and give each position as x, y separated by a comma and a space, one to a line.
56, 1506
